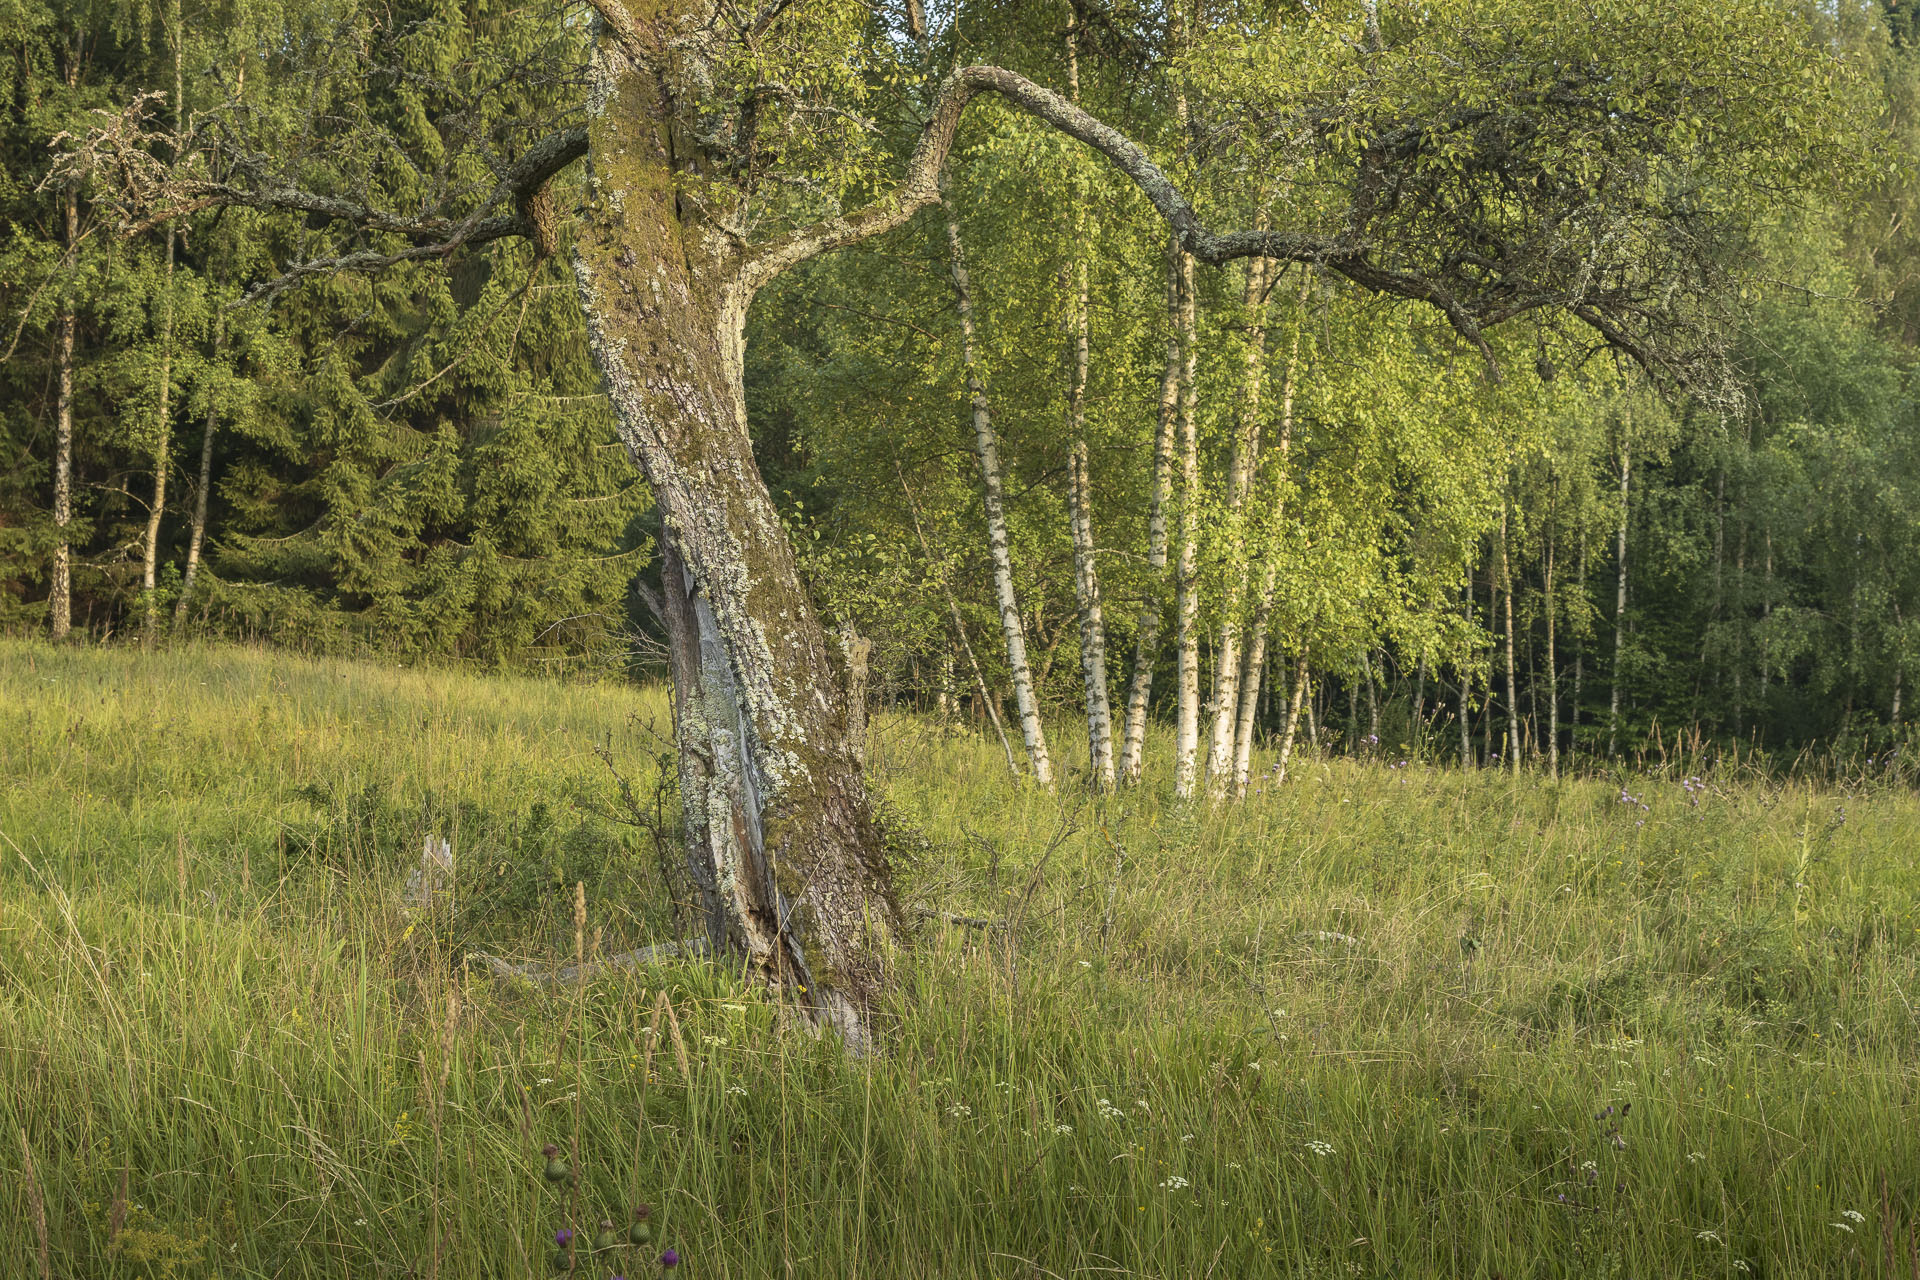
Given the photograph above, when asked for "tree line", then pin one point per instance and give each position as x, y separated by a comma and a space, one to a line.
1501, 379
1052, 460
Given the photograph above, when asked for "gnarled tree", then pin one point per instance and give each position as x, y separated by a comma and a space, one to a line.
1495, 161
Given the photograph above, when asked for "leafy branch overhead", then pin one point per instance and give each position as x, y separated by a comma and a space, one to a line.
1598, 163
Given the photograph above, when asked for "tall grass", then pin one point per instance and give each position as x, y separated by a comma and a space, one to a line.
1384, 1021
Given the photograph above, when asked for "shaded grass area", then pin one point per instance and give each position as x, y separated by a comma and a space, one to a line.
1385, 1021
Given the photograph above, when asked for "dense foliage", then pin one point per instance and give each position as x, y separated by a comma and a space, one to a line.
420, 461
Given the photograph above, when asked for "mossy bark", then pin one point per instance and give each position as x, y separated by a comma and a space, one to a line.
780, 833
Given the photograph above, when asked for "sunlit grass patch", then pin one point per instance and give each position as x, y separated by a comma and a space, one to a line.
1381, 1022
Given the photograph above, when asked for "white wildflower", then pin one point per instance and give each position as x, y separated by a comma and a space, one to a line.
1063, 1129
716, 1042
1714, 1236
1320, 1148
734, 1008
1854, 1214
1843, 1226
1175, 1183
960, 1111
738, 1090
1695, 1157
1109, 1111
1186, 1137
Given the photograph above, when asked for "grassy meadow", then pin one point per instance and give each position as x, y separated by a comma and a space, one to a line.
1386, 1021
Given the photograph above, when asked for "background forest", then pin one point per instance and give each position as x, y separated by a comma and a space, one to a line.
1001, 435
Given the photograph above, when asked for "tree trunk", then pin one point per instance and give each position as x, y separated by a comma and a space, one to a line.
1513, 677
779, 828
1086, 576
988, 702
1254, 665
60, 591
1553, 671
1619, 599
1186, 585
1147, 632
199, 529
1228, 667
162, 450
986, 448
1293, 717
163, 442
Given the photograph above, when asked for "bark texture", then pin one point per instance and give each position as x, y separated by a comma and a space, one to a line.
986, 450
1186, 587
1242, 462
780, 831
1146, 640
60, 592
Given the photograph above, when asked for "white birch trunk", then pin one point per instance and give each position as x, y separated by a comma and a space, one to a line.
1228, 667
1186, 592
1513, 677
1619, 598
1253, 667
1086, 575
1147, 631
986, 448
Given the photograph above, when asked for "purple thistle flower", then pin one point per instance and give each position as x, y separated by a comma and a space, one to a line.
563, 1237
671, 1258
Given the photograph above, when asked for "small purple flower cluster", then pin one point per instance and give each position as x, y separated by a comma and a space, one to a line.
1694, 789
567, 1242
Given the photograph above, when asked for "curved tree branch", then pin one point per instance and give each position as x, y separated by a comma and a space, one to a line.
920, 188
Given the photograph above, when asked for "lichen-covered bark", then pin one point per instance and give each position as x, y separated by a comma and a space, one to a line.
779, 828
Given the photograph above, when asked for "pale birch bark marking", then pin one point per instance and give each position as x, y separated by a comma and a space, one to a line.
1620, 592
986, 449
1147, 631
1243, 461
1186, 587
1254, 666
1086, 576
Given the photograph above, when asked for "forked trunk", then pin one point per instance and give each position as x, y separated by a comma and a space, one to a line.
1228, 669
197, 535
1146, 643
1253, 665
780, 834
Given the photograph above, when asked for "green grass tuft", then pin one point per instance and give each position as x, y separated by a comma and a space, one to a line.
1382, 1022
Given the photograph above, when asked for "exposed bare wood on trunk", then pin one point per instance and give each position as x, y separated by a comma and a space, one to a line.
60, 592
1147, 630
1243, 460
779, 827
986, 450
1186, 586
1086, 575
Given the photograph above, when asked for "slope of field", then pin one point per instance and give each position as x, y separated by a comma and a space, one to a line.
1385, 1021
